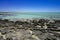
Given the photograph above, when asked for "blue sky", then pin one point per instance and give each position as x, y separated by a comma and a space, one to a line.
29, 5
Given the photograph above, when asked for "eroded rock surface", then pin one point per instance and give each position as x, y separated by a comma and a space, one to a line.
32, 30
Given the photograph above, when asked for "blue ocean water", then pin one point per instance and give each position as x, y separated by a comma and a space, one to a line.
30, 15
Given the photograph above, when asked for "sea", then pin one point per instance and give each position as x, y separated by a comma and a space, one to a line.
29, 15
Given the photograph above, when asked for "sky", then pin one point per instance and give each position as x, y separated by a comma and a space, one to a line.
29, 5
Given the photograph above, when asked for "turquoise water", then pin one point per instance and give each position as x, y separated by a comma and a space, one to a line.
31, 15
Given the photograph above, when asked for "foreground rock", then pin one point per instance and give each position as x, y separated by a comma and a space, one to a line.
42, 29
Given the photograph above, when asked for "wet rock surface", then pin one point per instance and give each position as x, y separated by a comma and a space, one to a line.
42, 29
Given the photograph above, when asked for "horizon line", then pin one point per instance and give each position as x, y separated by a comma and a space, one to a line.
6, 11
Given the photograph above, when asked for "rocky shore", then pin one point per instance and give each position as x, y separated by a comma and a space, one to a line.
36, 29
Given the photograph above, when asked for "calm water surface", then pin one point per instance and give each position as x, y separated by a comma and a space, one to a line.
30, 15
